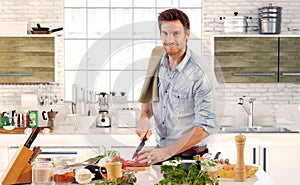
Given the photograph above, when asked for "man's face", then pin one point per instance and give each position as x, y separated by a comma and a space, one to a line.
174, 37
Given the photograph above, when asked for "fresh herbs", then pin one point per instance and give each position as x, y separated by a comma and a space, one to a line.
128, 178
174, 174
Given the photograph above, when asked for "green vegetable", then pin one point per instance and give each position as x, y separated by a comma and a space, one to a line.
175, 174
128, 178
107, 153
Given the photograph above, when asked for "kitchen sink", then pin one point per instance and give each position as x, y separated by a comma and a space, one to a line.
257, 129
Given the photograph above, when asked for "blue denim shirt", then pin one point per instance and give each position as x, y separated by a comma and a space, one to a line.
185, 100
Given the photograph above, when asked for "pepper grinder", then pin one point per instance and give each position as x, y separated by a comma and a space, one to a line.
240, 168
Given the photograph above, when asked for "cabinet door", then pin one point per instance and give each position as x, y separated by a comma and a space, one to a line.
3, 158
246, 59
282, 163
27, 59
289, 60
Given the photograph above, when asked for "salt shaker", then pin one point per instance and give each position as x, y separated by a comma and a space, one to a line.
240, 168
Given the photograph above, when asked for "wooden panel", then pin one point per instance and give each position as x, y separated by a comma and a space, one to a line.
246, 59
289, 65
27, 59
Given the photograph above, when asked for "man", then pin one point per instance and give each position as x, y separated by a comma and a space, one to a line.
183, 113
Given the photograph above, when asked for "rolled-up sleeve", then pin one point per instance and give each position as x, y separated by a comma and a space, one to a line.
203, 98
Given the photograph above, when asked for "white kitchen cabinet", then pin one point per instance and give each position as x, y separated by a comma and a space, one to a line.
277, 154
282, 162
3, 158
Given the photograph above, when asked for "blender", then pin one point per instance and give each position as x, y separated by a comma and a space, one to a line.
103, 119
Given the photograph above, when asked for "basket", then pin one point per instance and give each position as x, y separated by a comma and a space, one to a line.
230, 173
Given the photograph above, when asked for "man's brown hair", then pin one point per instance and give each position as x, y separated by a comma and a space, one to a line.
172, 15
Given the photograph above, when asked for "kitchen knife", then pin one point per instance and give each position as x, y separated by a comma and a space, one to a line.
141, 145
32, 137
36, 152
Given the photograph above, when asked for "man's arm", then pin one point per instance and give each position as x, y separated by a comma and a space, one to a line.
187, 141
144, 123
152, 156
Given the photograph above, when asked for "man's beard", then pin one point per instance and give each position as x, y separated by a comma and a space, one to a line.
172, 49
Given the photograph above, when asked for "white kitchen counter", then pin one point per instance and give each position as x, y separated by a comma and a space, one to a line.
153, 176
87, 142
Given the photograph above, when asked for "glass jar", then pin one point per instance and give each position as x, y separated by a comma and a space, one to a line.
42, 173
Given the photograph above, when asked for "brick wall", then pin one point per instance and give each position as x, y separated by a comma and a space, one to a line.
278, 99
266, 93
49, 13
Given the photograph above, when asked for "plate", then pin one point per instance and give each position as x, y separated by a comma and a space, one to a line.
9, 127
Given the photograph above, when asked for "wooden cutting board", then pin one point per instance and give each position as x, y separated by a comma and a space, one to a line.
136, 168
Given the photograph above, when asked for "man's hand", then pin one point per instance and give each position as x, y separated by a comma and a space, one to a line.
153, 155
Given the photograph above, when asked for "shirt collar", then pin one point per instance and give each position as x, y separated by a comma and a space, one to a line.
164, 61
184, 60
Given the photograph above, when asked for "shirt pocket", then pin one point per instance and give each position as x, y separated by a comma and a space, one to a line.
179, 100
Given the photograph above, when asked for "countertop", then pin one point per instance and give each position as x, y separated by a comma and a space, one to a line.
89, 134
154, 176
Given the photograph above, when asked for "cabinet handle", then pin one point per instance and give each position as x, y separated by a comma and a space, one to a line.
60, 153
254, 155
265, 159
290, 74
16, 74
253, 74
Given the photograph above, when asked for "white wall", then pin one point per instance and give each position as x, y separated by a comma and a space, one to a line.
281, 100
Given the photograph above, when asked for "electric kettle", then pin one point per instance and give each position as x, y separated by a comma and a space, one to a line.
51, 118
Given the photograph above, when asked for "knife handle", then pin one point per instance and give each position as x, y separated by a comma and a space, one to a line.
32, 137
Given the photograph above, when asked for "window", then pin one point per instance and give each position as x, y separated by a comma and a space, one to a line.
108, 42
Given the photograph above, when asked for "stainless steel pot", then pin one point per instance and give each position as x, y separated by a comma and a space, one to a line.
269, 27
270, 9
269, 19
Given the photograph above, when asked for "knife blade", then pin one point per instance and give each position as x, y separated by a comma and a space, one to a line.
141, 145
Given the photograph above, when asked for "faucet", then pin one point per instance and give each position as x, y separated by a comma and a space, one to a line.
248, 108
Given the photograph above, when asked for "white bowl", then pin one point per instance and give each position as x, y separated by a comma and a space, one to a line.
9, 127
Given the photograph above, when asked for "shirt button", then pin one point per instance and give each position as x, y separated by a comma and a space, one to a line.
163, 123
166, 91
163, 138
164, 107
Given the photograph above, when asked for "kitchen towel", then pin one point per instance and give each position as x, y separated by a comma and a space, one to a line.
149, 91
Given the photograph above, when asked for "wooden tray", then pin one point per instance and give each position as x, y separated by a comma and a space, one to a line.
21, 130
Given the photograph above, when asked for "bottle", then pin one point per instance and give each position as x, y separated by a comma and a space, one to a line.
198, 162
